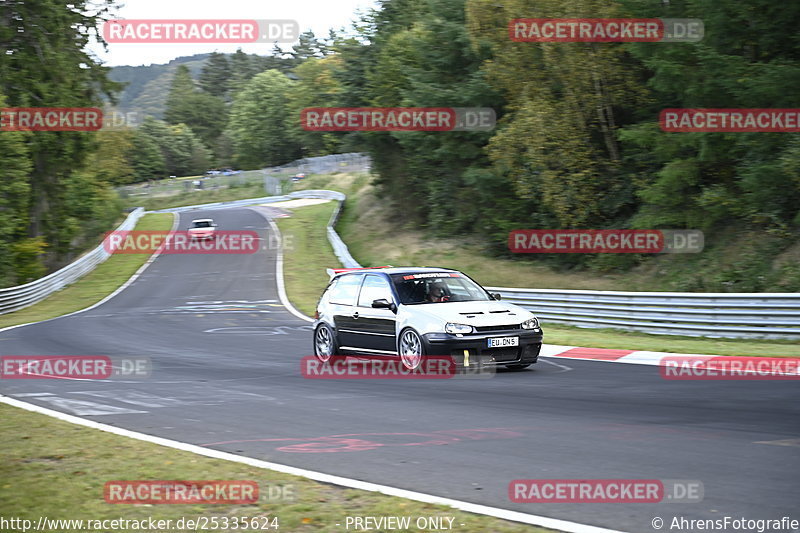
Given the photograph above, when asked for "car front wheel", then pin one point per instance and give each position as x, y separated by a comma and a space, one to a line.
325, 345
410, 349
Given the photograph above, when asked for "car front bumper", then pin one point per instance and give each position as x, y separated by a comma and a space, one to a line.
477, 347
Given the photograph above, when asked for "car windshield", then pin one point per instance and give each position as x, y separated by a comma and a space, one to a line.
202, 224
437, 287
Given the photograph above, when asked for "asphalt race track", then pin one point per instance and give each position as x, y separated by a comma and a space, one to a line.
226, 374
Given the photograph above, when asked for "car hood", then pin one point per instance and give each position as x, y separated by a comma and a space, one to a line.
201, 230
488, 313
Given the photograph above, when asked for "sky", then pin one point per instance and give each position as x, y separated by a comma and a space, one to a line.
316, 15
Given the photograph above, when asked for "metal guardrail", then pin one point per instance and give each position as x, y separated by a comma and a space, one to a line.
716, 315
16, 298
338, 245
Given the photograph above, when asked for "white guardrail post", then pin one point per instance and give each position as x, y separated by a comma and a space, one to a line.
16, 298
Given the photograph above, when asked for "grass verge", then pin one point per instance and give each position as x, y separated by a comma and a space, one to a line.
227, 194
93, 287
55, 469
307, 254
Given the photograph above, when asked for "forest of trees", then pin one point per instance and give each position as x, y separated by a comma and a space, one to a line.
577, 144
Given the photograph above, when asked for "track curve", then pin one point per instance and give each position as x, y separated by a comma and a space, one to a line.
226, 375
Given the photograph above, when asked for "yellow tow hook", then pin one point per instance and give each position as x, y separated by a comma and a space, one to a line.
466, 357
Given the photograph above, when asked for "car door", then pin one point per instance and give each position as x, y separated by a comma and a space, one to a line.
342, 300
376, 327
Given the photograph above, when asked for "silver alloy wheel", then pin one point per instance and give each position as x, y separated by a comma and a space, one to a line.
323, 344
410, 349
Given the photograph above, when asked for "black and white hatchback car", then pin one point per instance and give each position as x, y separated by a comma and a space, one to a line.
418, 312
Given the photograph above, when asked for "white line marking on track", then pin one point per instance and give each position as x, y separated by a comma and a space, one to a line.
279, 272
564, 368
782, 442
505, 514
133, 397
84, 408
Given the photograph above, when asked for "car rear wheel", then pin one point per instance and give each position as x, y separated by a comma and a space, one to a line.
411, 349
325, 345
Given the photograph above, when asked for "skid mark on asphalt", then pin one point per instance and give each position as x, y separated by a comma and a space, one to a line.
356, 442
359, 442
595, 354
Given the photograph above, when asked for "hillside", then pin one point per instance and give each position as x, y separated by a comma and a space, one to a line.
147, 86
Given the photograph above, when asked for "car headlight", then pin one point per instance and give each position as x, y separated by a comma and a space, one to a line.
457, 328
531, 323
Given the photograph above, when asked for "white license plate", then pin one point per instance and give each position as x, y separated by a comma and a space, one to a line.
501, 342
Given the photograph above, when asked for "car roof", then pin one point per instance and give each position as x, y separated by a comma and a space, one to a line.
202, 220
396, 270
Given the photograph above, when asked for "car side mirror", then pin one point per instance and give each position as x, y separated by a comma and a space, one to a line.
496, 296
383, 303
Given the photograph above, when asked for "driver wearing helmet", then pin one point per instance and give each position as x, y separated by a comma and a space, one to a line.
436, 293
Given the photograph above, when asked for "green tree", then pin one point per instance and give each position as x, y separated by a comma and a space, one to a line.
182, 87
415, 53
146, 157
316, 86
243, 68
261, 127
558, 139
110, 163
216, 74
44, 62
204, 113
15, 190
748, 59
307, 47
182, 151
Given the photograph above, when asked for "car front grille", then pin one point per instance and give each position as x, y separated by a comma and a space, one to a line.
502, 355
505, 327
